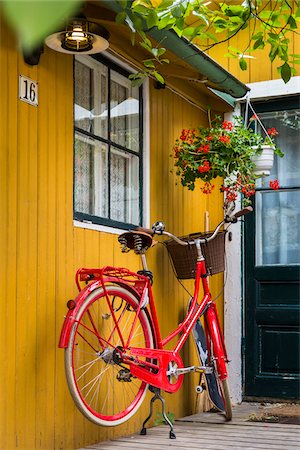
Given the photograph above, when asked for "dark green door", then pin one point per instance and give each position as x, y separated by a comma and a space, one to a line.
272, 266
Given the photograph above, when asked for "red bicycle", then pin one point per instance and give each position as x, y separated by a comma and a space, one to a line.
113, 345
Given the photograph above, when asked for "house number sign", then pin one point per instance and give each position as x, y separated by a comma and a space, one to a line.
28, 90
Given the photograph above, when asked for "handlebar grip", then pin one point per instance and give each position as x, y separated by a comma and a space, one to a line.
234, 217
243, 212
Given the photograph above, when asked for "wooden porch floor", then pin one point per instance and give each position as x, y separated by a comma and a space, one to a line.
209, 431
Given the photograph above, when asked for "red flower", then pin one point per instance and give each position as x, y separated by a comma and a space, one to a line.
203, 148
274, 184
272, 131
205, 167
225, 139
187, 135
207, 188
254, 117
226, 125
209, 138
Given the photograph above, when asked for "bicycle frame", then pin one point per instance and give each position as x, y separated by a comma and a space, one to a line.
145, 369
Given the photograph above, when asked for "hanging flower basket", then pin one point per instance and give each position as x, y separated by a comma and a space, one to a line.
264, 161
228, 150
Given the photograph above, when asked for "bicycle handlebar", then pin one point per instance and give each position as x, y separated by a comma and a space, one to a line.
158, 227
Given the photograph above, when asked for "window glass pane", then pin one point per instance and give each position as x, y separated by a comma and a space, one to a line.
91, 98
286, 169
91, 176
124, 112
277, 227
124, 187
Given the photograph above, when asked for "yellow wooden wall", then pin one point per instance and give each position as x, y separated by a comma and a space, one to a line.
41, 249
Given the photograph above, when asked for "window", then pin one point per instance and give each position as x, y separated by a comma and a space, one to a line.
278, 212
108, 153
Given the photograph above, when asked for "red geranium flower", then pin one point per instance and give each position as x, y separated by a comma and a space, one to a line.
205, 167
226, 125
225, 139
274, 184
272, 131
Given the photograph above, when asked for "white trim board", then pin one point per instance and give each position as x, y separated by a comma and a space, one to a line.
273, 88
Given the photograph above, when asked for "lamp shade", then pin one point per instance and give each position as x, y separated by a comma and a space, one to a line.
80, 36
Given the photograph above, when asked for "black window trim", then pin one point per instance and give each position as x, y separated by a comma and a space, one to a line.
97, 220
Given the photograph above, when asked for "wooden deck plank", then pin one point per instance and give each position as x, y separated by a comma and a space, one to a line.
159, 439
226, 429
209, 431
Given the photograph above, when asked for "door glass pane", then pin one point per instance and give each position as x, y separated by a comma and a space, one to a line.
286, 169
124, 179
277, 231
124, 112
91, 176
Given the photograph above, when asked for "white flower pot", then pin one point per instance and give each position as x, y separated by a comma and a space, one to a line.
264, 161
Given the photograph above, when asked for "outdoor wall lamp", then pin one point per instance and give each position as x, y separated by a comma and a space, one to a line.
80, 36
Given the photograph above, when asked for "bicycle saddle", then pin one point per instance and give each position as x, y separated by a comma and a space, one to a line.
139, 241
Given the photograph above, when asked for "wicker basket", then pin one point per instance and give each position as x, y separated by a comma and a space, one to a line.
184, 258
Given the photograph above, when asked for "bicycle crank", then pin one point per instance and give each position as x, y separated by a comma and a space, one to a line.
174, 371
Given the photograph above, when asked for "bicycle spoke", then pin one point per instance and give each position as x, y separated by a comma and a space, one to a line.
90, 365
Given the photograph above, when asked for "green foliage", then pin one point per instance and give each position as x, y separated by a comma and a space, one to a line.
34, 20
269, 26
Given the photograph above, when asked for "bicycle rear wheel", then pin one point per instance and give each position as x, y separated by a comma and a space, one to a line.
102, 387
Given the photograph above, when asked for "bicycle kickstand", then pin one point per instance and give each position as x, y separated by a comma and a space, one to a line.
157, 396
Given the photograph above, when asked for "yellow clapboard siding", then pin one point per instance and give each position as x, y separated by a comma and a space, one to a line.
42, 249
8, 238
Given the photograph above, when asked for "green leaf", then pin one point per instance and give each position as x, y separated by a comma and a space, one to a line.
257, 36
243, 64
132, 38
285, 72
259, 44
121, 17
34, 20
273, 53
161, 51
292, 23
151, 19
149, 63
176, 12
146, 47
159, 77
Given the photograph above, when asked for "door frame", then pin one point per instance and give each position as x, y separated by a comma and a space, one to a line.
234, 287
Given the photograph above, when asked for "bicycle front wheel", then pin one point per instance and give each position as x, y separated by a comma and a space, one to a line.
101, 386
224, 391
222, 384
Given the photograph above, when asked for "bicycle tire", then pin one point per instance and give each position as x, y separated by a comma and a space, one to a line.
226, 398
222, 386
102, 389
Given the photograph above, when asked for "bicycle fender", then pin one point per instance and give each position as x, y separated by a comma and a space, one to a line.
70, 317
